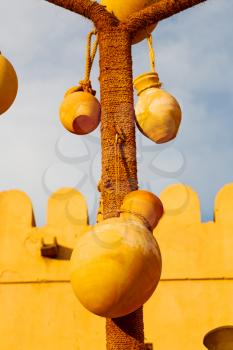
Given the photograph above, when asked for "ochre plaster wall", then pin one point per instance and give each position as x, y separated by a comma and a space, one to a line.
37, 306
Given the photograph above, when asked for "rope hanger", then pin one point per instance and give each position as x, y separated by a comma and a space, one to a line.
151, 52
90, 56
152, 57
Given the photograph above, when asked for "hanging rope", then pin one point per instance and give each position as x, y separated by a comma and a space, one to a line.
152, 58
151, 52
117, 165
90, 56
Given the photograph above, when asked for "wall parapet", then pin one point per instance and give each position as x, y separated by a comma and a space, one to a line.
190, 249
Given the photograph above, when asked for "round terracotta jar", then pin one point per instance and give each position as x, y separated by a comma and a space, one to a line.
158, 114
80, 112
143, 205
123, 9
220, 338
8, 84
111, 263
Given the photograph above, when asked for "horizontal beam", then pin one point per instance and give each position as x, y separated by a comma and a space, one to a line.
156, 12
89, 9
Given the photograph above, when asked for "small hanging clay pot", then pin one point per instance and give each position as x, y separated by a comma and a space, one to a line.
144, 206
80, 111
8, 84
158, 114
123, 9
115, 267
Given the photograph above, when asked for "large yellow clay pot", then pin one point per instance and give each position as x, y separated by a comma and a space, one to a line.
115, 267
8, 84
123, 9
143, 205
158, 114
80, 112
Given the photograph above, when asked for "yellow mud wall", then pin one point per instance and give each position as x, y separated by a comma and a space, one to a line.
39, 311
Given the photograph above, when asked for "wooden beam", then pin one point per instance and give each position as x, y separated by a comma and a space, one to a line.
156, 12
89, 9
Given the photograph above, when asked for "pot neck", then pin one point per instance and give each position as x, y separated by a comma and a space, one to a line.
146, 81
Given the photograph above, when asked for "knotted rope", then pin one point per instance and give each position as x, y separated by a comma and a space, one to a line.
117, 150
85, 84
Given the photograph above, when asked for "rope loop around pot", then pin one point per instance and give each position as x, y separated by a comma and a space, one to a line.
139, 216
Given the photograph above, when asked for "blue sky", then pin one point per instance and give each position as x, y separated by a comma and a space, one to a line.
46, 44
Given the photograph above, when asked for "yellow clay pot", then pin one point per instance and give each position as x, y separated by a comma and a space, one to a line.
115, 267
143, 205
123, 9
80, 112
158, 114
8, 84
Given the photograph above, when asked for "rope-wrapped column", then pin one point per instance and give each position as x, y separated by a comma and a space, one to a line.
126, 333
119, 168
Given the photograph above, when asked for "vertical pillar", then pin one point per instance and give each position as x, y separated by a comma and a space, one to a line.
119, 168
